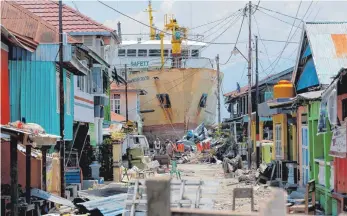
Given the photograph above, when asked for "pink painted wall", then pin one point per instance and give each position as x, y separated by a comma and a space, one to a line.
132, 104
5, 168
300, 111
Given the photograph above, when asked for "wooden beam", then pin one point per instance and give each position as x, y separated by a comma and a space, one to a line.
14, 175
44, 168
158, 196
27, 173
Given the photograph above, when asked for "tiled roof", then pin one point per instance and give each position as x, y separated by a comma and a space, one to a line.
73, 21
27, 26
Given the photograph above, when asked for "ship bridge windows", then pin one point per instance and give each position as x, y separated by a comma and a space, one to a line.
131, 52
154, 52
121, 52
166, 53
185, 53
195, 53
142, 53
203, 100
164, 100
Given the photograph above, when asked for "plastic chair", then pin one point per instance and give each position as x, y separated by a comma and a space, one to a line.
174, 170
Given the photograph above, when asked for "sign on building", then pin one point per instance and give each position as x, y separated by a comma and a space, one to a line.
338, 147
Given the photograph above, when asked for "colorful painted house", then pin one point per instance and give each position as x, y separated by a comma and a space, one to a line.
91, 99
33, 70
237, 107
335, 96
321, 55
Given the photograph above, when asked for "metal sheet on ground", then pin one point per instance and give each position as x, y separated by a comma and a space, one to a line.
184, 194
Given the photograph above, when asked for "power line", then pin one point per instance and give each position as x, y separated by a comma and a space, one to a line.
222, 19
277, 18
237, 39
296, 18
288, 38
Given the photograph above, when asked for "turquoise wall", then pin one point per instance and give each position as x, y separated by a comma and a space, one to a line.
33, 95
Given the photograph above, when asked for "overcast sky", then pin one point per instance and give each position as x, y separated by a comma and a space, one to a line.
194, 13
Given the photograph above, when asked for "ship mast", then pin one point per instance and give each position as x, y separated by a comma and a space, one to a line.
151, 29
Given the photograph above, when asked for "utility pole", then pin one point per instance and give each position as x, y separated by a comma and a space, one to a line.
61, 102
249, 85
126, 94
218, 90
257, 102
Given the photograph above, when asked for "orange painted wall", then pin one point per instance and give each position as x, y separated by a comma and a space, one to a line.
5, 168
5, 95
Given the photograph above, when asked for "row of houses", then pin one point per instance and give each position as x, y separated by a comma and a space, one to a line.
302, 113
30, 77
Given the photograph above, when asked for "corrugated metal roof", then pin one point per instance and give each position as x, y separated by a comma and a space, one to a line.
266, 80
73, 21
108, 206
328, 42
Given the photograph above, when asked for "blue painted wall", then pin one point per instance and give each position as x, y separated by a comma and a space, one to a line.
308, 77
33, 95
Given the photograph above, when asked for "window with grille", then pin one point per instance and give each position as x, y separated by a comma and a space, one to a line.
121, 52
278, 141
131, 52
115, 103
88, 41
142, 53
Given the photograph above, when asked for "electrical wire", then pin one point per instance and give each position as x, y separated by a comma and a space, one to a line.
210, 23
289, 39
286, 44
237, 39
277, 18
296, 18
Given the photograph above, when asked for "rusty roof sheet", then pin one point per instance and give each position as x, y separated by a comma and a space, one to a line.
27, 25
328, 43
73, 21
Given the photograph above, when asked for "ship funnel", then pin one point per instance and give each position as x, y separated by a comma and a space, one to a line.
119, 31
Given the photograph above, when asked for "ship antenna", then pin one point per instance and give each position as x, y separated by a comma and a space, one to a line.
151, 24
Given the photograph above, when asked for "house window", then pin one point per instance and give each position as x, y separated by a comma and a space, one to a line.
121, 52
68, 96
278, 141
131, 52
142, 53
115, 103
344, 109
154, 52
195, 53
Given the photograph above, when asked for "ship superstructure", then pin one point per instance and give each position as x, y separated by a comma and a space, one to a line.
180, 83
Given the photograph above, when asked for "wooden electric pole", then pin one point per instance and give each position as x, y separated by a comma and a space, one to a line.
249, 140
61, 101
126, 94
257, 102
218, 90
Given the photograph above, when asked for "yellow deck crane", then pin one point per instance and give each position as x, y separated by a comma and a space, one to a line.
178, 34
